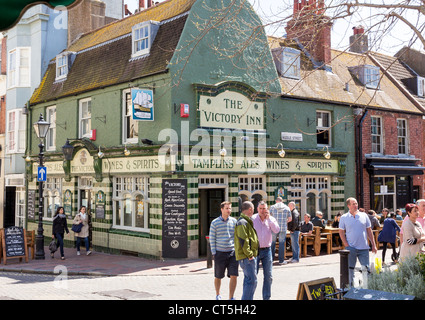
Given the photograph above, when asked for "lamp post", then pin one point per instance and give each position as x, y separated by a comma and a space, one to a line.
41, 127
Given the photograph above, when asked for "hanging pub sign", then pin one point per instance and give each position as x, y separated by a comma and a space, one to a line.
174, 218
142, 104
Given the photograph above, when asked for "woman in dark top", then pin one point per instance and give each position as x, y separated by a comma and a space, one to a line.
388, 235
58, 230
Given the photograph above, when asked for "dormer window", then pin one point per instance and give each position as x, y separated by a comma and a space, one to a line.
143, 35
368, 75
63, 64
288, 62
421, 86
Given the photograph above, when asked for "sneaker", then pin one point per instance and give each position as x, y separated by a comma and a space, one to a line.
294, 261
283, 263
62, 258
218, 297
88, 252
78, 253
232, 298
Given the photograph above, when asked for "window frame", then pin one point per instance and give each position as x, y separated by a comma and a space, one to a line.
52, 129
381, 136
19, 78
81, 119
323, 129
371, 76
18, 131
122, 193
404, 137
125, 116
62, 57
421, 86
291, 62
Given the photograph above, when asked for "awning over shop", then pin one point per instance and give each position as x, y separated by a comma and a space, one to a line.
382, 168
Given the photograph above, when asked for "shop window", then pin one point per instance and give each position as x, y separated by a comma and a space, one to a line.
376, 134
402, 136
384, 193
131, 203
130, 126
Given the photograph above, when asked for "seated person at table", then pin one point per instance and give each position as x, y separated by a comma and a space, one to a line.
318, 220
335, 223
306, 226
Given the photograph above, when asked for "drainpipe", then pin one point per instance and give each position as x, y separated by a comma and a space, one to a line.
360, 159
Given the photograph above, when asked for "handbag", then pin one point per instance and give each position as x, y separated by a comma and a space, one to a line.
52, 246
77, 227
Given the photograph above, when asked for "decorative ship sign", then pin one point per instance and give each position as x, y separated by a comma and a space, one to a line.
142, 104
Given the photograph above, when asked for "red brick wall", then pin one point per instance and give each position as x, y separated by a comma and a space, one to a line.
415, 131
3, 56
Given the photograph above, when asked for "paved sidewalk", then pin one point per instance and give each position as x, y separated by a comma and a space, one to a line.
103, 264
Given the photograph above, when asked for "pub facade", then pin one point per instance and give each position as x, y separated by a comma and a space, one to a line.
164, 128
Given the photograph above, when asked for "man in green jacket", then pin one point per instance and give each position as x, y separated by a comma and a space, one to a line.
246, 249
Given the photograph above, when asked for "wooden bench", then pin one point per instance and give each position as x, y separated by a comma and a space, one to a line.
316, 239
31, 242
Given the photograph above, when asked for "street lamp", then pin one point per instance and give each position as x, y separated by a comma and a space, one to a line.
67, 150
41, 127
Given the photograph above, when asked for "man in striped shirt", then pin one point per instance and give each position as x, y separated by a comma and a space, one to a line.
222, 231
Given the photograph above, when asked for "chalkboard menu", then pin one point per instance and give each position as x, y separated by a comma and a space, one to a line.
14, 243
311, 290
174, 218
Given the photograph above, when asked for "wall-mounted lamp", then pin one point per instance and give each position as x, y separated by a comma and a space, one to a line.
126, 151
100, 154
222, 151
281, 152
327, 154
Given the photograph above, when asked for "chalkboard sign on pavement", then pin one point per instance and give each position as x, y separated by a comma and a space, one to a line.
14, 243
311, 290
174, 218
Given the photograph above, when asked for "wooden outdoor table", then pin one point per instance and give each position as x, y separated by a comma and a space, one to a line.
334, 231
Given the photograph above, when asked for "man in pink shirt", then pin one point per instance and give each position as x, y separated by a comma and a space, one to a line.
264, 225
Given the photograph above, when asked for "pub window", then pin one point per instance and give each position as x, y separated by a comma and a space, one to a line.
252, 188
323, 128
85, 118
130, 126
52, 196
131, 203
402, 136
311, 194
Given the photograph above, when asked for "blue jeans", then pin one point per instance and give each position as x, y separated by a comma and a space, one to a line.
282, 245
249, 268
265, 256
59, 242
86, 240
362, 255
295, 244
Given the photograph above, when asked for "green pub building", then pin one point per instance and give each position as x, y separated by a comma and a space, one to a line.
173, 110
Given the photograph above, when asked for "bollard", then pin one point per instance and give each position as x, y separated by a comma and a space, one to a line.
209, 256
343, 267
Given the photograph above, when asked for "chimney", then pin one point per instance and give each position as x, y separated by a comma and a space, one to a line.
358, 41
149, 3
141, 5
312, 29
85, 17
